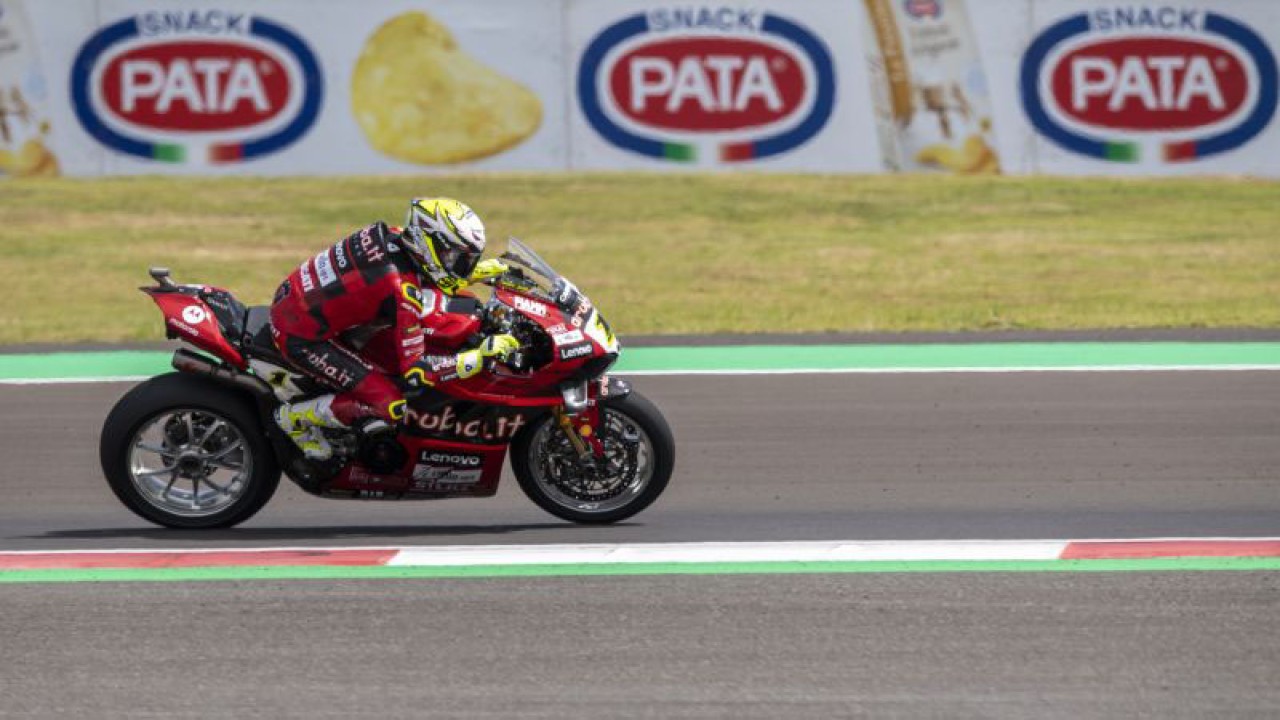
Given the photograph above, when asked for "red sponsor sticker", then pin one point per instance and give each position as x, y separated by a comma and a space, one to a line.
190, 85
1153, 83
707, 84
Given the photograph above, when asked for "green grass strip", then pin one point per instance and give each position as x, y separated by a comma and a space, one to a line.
689, 253
992, 356
321, 572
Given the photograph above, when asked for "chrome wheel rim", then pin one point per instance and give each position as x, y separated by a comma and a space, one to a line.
624, 474
190, 463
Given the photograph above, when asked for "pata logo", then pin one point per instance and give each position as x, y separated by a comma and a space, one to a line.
196, 85
1127, 84
665, 82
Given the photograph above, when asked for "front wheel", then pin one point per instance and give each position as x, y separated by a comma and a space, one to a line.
639, 456
184, 452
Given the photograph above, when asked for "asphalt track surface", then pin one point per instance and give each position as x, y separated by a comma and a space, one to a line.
1042, 455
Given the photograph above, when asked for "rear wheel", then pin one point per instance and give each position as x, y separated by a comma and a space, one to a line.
184, 452
639, 457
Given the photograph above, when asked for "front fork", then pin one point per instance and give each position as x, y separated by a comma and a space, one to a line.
579, 418
581, 430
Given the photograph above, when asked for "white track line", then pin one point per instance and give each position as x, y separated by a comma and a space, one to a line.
729, 545
73, 380
729, 553
671, 553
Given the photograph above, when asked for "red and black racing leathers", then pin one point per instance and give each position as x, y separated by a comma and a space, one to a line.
364, 281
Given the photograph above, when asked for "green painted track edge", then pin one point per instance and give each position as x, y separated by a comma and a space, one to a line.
138, 363
379, 572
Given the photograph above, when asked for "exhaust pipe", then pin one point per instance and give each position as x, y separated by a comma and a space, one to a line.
189, 362
299, 470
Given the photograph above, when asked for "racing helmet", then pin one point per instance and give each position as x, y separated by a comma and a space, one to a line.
445, 238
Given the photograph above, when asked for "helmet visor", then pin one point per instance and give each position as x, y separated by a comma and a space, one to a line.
457, 261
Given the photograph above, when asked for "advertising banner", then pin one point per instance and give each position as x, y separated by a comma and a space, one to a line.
724, 85
1148, 88
25, 127
929, 87
297, 87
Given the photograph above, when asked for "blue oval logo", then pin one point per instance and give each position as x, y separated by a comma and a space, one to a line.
1144, 83
693, 73
248, 80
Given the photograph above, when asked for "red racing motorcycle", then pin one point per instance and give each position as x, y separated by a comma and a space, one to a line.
197, 448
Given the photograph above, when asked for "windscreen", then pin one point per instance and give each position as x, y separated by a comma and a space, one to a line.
530, 267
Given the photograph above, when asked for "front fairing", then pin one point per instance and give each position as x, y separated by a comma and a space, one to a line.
532, 276
563, 337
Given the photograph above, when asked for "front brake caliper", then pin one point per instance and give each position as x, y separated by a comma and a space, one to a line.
580, 429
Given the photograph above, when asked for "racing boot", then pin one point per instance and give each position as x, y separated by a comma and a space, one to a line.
303, 421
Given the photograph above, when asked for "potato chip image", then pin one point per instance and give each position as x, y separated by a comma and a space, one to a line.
33, 159
419, 98
974, 157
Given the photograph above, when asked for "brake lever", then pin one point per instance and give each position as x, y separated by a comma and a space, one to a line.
514, 363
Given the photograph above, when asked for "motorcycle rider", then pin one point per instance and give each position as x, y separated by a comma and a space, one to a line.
380, 276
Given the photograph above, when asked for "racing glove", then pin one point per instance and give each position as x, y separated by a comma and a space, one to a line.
433, 369
501, 347
487, 269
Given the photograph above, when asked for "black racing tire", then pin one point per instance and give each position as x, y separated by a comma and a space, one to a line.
636, 409
178, 393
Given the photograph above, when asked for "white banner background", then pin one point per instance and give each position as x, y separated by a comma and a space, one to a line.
538, 44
